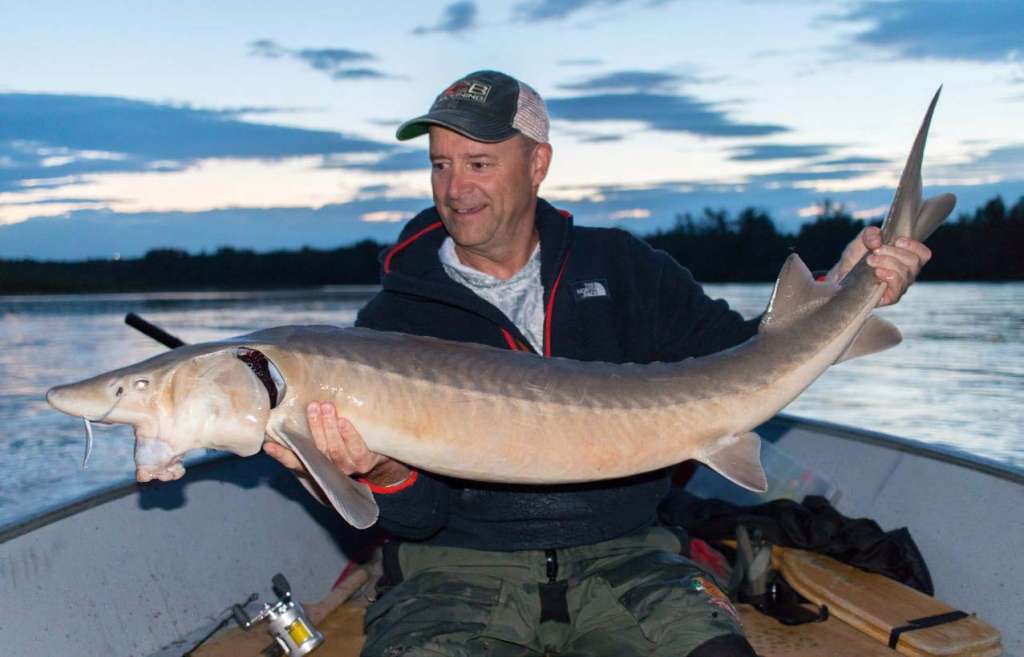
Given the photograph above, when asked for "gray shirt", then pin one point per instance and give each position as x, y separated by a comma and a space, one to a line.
520, 297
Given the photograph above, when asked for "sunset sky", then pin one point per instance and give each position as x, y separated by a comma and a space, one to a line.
195, 125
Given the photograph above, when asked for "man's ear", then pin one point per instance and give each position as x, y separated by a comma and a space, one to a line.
540, 160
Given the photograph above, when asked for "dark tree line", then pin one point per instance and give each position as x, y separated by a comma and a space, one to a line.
987, 245
172, 269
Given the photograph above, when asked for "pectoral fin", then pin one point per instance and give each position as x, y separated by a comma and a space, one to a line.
351, 499
738, 459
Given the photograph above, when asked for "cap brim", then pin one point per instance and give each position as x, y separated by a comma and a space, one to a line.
464, 123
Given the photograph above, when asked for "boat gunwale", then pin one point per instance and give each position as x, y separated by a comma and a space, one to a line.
95, 499
934, 451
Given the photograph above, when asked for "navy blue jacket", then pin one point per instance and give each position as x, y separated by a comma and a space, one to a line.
608, 297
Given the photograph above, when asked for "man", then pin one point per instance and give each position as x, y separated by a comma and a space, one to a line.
486, 569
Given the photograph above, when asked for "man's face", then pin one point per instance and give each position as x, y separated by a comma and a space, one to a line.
485, 193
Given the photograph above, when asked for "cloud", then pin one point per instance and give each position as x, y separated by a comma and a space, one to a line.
855, 159
330, 59
583, 61
549, 10
99, 233
673, 113
951, 30
394, 162
600, 139
636, 81
339, 63
759, 152
545, 10
390, 216
457, 17
357, 74
632, 213
266, 48
804, 176
1002, 163
49, 140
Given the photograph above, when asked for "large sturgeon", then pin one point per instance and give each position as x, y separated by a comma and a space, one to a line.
489, 414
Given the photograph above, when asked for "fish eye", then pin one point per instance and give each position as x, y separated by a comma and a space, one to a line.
141, 384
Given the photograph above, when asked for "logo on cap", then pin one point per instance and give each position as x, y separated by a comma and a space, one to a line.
467, 90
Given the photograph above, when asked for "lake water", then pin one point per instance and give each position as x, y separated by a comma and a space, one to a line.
957, 379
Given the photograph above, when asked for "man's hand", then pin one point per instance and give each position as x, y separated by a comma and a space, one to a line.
897, 266
344, 446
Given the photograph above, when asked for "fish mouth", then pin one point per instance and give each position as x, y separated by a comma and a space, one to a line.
168, 471
154, 459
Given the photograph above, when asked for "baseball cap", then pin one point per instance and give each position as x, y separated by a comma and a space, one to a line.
485, 106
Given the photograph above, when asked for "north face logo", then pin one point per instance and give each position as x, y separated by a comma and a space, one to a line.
590, 289
468, 90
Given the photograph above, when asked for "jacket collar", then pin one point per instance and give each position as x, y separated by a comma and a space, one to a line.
415, 253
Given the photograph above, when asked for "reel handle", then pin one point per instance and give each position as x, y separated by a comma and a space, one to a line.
281, 586
241, 617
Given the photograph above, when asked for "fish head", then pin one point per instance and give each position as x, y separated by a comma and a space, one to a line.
210, 399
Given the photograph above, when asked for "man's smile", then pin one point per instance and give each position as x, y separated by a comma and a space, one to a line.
464, 212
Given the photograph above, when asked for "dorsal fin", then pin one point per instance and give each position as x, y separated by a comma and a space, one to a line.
796, 295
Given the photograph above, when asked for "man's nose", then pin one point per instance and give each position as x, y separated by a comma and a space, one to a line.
458, 183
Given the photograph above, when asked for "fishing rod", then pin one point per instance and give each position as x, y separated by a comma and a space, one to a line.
153, 331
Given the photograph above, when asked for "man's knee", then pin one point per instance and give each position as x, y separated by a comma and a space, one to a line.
726, 645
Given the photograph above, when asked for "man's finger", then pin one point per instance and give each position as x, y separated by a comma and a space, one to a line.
316, 426
363, 459
923, 253
910, 260
284, 456
894, 274
871, 237
337, 450
883, 263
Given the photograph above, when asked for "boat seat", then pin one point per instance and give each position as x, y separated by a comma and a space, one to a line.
889, 612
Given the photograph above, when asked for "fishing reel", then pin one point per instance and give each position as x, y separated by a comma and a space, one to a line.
286, 621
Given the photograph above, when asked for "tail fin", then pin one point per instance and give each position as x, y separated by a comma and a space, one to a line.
908, 216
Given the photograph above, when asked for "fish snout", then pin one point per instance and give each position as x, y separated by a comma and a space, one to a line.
91, 399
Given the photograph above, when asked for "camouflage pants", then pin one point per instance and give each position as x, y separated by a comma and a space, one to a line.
629, 596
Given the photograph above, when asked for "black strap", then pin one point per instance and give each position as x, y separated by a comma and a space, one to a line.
553, 603
922, 623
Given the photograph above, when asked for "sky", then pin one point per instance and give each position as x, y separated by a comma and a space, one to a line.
197, 125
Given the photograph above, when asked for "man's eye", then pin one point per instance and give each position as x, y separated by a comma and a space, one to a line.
479, 166
438, 166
